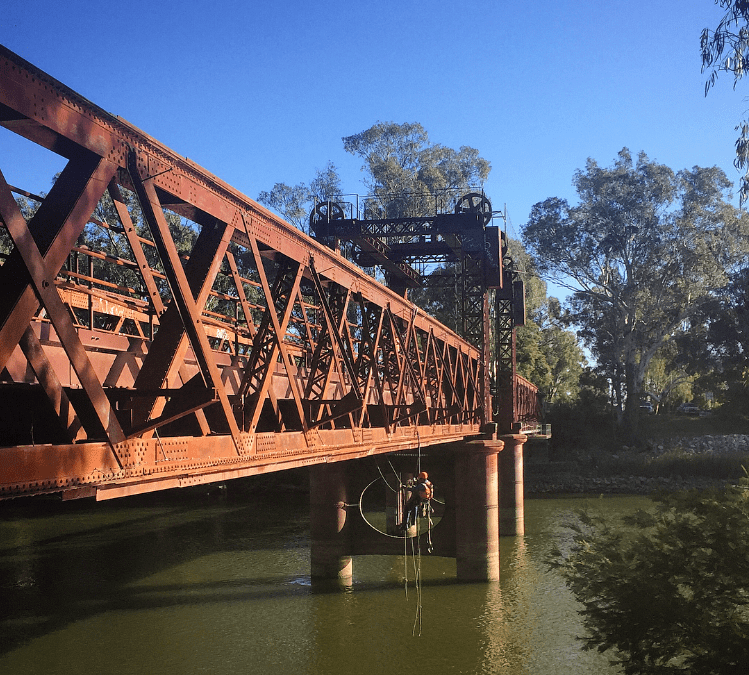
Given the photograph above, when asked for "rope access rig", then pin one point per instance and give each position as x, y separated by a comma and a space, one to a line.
137, 367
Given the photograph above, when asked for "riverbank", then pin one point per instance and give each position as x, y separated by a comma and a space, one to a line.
670, 464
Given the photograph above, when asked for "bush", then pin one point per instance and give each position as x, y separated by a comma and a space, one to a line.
668, 592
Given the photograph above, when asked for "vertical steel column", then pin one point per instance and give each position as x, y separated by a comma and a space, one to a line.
476, 511
511, 488
330, 550
486, 358
505, 357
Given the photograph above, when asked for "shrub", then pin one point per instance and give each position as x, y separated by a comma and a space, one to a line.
668, 592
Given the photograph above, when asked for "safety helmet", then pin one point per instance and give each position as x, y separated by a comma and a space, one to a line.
423, 475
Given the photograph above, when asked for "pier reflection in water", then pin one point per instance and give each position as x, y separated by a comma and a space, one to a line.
191, 583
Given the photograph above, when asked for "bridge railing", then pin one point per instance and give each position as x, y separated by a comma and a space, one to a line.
527, 404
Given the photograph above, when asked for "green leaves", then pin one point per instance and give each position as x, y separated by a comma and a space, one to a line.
294, 203
667, 590
405, 172
726, 49
643, 250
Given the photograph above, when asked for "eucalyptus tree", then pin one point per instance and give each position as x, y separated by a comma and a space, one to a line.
726, 49
724, 368
409, 176
294, 203
643, 250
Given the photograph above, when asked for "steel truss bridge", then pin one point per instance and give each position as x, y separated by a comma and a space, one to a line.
137, 365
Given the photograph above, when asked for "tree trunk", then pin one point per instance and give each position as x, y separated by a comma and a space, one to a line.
632, 407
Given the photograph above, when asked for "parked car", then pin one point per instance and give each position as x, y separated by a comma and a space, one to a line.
689, 409
647, 407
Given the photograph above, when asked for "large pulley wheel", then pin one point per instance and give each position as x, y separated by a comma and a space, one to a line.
322, 215
475, 202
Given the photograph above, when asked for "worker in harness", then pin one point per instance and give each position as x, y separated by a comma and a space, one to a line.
418, 504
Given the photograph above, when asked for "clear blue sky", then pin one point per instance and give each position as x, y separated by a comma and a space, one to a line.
262, 92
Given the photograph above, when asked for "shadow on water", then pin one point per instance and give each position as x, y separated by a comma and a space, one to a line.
62, 562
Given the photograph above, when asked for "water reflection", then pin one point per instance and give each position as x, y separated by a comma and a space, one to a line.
222, 585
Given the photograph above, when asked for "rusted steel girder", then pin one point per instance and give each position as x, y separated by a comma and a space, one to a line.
256, 350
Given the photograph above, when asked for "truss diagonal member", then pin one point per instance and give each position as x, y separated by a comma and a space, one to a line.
268, 342
413, 355
391, 363
55, 227
461, 379
340, 349
452, 396
143, 411
136, 248
366, 362
333, 353
472, 389
281, 328
183, 299
407, 369
306, 319
45, 289
47, 378
431, 372
240, 293
417, 405
323, 362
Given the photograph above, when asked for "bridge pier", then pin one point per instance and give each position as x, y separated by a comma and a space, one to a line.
330, 546
476, 511
511, 487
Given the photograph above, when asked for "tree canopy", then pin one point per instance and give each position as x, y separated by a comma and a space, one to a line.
726, 49
295, 203
547, 354
643, 250
404, 172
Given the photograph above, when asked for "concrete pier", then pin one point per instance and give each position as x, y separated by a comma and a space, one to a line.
476, 511
511, 488
330, 549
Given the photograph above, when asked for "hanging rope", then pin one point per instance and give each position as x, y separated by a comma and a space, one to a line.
417, 574
382, 475
405, 566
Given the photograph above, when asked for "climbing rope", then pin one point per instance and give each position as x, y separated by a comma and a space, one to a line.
416, 556
382, 475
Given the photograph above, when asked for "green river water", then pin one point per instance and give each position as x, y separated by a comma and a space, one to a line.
181, 583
